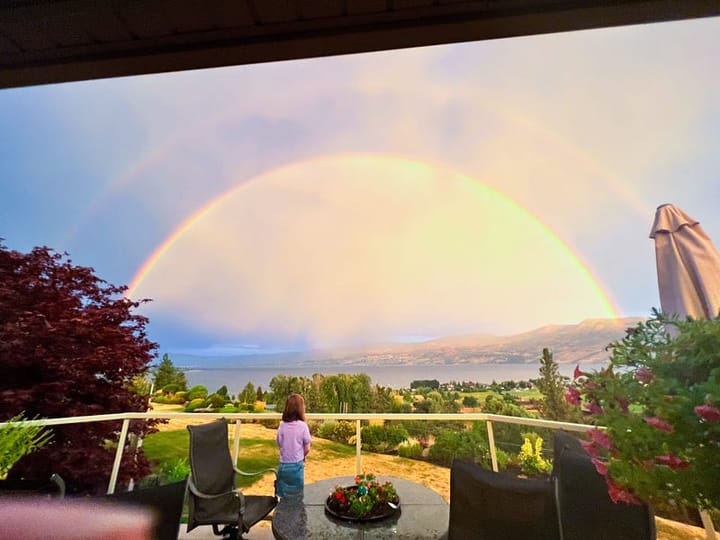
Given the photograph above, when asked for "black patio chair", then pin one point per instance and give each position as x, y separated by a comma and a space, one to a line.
489, 505
585, 509
165, 503
213, 498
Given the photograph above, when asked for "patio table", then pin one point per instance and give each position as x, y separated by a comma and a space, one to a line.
423, 513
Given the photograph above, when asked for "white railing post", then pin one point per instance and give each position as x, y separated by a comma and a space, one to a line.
358, 449
118, 456
491, 445
708, 524
236, 443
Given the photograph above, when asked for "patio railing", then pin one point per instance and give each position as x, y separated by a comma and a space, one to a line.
126, 418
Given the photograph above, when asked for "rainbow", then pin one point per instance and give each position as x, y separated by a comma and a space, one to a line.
605, 298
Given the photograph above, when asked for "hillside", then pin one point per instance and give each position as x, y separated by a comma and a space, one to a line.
581, 343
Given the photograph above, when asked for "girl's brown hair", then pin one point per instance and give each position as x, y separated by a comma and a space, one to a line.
294, 408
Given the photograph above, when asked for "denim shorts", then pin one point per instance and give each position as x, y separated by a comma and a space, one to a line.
290, 479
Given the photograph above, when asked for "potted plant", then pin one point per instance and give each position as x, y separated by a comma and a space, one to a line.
658, 406
366, 500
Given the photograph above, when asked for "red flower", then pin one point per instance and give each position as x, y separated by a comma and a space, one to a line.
572, 396
644, 375
673, 462
577, 373
600, 467
708, 412
659, 423
601, 438
618, 494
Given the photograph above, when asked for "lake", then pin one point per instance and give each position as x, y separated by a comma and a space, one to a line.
392, 376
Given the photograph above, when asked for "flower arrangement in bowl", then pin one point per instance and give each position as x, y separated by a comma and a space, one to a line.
367, 500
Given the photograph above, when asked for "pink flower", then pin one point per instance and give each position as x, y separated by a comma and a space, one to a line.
708, 412
600, 467
577, 373
624, 404
618, 494
594, 408
673, 462
644, 375
590, 448
601, 438
572, 396
659, 423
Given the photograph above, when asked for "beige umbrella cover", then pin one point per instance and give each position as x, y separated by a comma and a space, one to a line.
688, 265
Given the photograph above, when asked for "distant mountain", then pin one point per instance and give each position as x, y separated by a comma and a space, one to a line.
581, 343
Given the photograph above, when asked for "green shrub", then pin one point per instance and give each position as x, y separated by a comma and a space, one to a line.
216, 401
410, 450
229, 408
195, 404
382, 438
198, 391
170, 388
467, 445
181, 394
338, 431
159, 399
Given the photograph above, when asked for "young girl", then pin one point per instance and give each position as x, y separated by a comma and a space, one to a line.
293, 438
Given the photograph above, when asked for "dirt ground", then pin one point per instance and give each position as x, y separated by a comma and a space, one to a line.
434, 477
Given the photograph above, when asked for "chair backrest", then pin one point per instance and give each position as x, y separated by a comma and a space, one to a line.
165, 502
585, 509
490, 505
210, 461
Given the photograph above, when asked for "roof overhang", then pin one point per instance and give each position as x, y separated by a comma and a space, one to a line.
53, 41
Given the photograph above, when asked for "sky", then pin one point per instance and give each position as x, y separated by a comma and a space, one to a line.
490, 187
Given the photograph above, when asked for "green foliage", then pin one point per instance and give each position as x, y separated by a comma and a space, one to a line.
433, 384
175, 470
167, 374
469, 445
531, 459
248, 394
407, 449
552, 386
198, 403
470, 401
197, 391
338, 431
170, 388
216, 401
19, 437
659, 399
382, 438
228, 408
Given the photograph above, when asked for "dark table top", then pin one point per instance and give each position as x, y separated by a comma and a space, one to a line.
423, 514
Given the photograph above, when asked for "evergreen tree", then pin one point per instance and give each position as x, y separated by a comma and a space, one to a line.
552, 387
166, 373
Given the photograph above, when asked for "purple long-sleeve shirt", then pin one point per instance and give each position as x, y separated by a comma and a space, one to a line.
292, 438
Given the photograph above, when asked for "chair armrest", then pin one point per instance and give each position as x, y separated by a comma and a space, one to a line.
246, 473
195, 491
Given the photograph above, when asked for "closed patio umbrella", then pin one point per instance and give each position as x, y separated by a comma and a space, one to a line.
688, 267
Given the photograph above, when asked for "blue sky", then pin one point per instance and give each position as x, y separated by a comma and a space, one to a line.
387, 195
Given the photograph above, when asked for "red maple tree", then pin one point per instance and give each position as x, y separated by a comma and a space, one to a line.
70, 345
